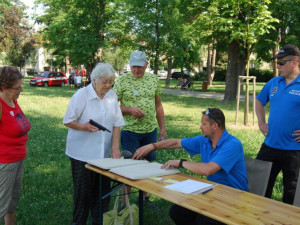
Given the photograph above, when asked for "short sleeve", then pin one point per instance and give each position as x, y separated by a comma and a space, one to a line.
75, 108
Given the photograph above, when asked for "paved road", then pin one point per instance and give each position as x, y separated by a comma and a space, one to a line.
198, 94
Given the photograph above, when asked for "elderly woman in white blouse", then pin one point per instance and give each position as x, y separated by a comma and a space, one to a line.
84, 141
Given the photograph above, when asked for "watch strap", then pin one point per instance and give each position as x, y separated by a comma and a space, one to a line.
181, 161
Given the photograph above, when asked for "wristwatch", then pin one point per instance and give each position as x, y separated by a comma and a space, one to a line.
181, 161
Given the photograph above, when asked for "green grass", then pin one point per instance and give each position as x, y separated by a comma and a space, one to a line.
47, 186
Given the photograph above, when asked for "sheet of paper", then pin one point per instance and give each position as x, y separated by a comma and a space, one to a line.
189, 186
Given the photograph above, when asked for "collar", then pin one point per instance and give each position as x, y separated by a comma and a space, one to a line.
222, 139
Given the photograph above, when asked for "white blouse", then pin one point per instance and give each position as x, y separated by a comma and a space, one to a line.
85, 105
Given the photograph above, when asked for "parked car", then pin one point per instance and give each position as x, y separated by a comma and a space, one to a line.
49, 78
162, 73
31, 72
177, 75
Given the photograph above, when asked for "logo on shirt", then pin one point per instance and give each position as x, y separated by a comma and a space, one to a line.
294, 92
274, 90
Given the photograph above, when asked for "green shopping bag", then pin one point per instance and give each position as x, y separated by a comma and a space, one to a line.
128, 216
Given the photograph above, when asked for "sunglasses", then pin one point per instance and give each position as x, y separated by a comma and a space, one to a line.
208, 112
283, 62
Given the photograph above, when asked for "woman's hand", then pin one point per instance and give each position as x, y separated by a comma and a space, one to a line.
89, 127
143, 151
115, 153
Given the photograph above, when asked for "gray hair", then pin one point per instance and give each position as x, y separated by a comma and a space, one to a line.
102, 70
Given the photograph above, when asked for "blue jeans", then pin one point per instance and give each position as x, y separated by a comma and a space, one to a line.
131, 141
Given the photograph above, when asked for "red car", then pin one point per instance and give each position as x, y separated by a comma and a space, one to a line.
49, 78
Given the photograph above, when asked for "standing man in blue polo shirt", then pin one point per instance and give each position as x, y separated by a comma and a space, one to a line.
222, 158
282, 142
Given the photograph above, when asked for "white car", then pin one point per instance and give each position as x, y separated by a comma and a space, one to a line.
162, 73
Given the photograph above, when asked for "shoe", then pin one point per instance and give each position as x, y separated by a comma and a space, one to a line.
150, 204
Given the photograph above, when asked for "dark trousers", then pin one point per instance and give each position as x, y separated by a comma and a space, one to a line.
86, 193
183, 216
287, 161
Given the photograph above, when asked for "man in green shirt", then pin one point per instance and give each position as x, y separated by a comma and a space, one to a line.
139, 95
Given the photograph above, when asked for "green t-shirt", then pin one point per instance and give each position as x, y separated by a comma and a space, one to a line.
140, 93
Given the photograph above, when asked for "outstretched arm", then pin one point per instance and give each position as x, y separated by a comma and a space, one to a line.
166, 144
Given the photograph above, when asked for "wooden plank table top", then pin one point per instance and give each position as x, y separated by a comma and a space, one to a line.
223, 203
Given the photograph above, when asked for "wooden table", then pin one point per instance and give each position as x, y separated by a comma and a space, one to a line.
225, 204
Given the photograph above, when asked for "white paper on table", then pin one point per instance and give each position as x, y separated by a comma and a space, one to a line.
189, 186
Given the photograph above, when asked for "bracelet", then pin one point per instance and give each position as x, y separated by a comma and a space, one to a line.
181, 161
154, 145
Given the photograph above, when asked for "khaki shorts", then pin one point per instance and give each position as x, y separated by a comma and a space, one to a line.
11, 176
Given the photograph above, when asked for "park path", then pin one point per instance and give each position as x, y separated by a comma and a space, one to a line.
198, 94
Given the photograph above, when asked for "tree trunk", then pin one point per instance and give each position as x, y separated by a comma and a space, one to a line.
99, 53
209, 56
170, 65
157, 31
211, 63
232, 71
213, 66
275, 70
68, 65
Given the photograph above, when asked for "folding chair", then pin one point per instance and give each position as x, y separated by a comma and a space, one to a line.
297, 195
258, 173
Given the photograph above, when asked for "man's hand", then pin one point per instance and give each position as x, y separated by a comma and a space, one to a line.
264, 128
297, 135
142, 151
171, 164
136, 112
162, 135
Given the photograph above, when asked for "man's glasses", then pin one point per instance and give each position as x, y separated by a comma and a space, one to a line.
283, 62
208, 112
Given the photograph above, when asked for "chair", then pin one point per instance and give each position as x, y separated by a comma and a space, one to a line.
258, 173
297, 195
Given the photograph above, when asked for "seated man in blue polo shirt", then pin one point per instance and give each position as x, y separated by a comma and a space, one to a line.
222, 160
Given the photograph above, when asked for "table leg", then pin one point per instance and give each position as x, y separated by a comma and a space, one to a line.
141, 205
101, 200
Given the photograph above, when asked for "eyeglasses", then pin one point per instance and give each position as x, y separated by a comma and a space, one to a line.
283, 62
111, 83
208, 112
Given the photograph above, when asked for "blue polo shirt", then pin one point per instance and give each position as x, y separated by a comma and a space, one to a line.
228, 154
284, 116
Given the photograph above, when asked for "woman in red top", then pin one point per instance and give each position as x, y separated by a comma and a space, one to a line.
14, 127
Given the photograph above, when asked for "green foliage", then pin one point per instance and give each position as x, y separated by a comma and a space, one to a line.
261, 75
16, 39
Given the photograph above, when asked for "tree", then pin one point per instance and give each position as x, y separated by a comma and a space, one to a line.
77, 30
17, 40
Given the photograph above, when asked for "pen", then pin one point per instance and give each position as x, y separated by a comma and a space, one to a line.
204, 192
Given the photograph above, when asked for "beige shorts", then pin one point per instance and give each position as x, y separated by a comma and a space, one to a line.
11, 176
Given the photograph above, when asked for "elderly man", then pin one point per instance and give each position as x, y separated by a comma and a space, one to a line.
222, 160
282, 142
139, 94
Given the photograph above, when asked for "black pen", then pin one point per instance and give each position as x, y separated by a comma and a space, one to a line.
204, 192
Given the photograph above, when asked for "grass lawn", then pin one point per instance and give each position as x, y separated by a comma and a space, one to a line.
47, 186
